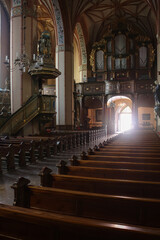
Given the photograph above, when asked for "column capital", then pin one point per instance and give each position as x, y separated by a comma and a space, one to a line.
19, 7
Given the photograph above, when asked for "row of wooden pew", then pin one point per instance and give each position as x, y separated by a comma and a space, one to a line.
110, 193
33, 148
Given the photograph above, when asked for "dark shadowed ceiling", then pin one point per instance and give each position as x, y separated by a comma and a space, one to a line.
96, 15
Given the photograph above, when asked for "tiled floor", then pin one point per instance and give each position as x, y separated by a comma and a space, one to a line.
31, 171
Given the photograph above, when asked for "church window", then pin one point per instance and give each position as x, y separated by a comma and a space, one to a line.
132, 61
109, 46
143, 57
117, 63
109, 63
120, 44
100, 60
120, 63
120, 51
131, 44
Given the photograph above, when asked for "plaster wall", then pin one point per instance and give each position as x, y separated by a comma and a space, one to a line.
76, 64
16, 75
60, 88
69, 88
4, 43
158, 61
146, 123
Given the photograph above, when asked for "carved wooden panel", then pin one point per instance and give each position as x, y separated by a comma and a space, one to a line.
144, 86
114, 87
111, 87
93, 89
127, 87
93, 102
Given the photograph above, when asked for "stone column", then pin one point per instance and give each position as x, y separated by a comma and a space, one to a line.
65, 88
135, 111
104, 111
81, 111
4, 48
83, 72
158, 77
158, 60
23, 36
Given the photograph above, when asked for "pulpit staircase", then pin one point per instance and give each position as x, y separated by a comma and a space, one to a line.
39, 104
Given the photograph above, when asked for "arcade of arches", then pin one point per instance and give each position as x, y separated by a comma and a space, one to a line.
105, 60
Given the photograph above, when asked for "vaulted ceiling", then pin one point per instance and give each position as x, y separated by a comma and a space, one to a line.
110, 12
98, 15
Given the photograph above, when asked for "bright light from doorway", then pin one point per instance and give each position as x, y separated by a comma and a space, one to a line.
125, 122
126, 119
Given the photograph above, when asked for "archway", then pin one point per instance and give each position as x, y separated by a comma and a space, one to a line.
80, 55
125, 119
119, 114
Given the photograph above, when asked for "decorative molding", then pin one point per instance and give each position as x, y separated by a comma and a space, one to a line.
118, 87
60, 48
94, 88
83, 67
16, 3
59, 22
82, 44
29, 12
17, 11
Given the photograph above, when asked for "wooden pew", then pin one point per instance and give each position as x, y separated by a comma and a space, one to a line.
112, 164
129, 149
100, 185
12, 148
129, 174
28, 144
128, 210
19, 223
141, 159
127, 153
7, 152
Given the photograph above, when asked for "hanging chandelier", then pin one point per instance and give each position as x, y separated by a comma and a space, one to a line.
21, 60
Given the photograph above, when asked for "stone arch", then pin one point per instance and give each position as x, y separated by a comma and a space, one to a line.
83, 53
115, 106
59, 22
60, 64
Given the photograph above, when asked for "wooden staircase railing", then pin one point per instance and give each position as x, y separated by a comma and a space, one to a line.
44, 104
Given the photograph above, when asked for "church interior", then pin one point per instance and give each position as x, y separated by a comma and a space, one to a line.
79, 119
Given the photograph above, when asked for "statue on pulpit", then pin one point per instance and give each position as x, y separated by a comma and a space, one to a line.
44, 44
43, 66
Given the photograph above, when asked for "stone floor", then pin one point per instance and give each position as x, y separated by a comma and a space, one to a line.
31, 171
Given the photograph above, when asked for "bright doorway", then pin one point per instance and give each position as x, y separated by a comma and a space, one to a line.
125, 120
119, 114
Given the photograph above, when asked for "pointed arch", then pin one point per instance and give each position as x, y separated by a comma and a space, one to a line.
82, 52
59, 22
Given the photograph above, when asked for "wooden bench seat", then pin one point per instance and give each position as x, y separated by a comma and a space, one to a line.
28, 146
130, 174
101, 185
122, 209
84, 156
10, 149
112, 164
136, 143
134, 146
7, 153
129, 149
125, 153
19, 223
